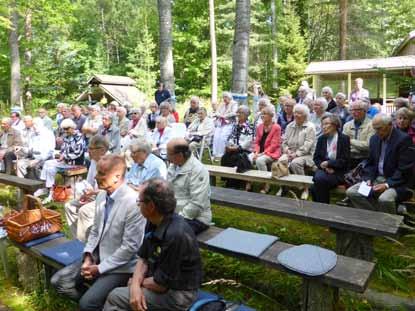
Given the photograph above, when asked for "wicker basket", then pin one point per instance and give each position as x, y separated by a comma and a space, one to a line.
31, 224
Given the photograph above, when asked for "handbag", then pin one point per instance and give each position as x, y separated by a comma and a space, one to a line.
279, 168
61, 193
31, 224
354, 176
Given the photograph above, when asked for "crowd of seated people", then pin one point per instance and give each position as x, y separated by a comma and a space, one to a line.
147, 195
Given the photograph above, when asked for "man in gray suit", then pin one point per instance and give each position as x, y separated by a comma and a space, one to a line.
110, 253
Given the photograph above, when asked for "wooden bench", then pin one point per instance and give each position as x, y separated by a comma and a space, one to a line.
354, 228
28, 186
319, 293
291, 180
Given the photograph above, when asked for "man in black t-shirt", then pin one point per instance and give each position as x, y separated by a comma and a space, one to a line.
162, 94
169, 270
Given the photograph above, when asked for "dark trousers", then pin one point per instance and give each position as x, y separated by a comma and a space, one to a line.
196, 225
9, 157
323, 183
68, 281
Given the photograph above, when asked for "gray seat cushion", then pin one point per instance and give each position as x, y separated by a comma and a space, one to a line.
243, 242
308, 259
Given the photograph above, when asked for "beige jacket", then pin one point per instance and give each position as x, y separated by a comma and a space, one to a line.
191, 189
359, 147
301, 139
12, 138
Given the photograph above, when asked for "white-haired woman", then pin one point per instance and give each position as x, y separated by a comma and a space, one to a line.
165, 112
239, 145
138, 124
225, 117
299, 143
319, 109
71, 153
327, 93
262, 103
161, 136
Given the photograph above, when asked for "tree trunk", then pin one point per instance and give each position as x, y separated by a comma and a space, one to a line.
214, 89
274, 46
343, 29
15, 91
28, 60
241, 51
166, 44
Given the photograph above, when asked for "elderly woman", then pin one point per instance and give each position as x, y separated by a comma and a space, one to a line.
267, 146
327, 93
404, 121
71, 152
138, 124
202, 127
191, 113
287, 115
165, 112
146, 165
331, 158
319, 109
161, 136
110, 132
151, 117
224, 117
299, 143
239, 145
262, 103
341, 110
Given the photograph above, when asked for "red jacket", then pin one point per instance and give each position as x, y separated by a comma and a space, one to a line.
272, 147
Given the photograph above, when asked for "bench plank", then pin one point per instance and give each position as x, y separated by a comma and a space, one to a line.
260, 176
333, 216
28, 185
349, 273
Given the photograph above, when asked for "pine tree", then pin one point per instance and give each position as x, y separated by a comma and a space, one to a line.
141, 63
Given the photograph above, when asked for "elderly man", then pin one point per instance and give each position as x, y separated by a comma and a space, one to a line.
38, 144
123, 121
16, 119
59, 115
162, 94
78, 117
110, 254
110, 132
80, 213
190, 180
341, 109
167, 279
359, 92
146, 165
201, 128
388, 169
10, 138
43, 116
360, 131
191, 113
92, 122
327, 93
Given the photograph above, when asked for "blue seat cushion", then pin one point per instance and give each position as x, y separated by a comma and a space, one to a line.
308, 259
243, 242
44, 239
65, 253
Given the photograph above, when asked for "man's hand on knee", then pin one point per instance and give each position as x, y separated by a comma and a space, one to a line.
137, 298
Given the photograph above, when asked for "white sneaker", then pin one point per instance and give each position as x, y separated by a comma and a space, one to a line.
304, 195
279, 192
40, 192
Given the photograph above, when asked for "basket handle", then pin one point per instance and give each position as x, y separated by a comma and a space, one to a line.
38, 203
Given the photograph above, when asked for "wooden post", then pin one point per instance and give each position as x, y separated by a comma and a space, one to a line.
384, 93
349, 84
318, 296
354, 245
28, 271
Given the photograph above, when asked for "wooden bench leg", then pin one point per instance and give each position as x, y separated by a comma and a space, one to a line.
318, 296
354, 245
28, 271
212, 180
3, 255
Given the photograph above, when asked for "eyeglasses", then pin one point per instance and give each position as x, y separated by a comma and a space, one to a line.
356, 109
66, 128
